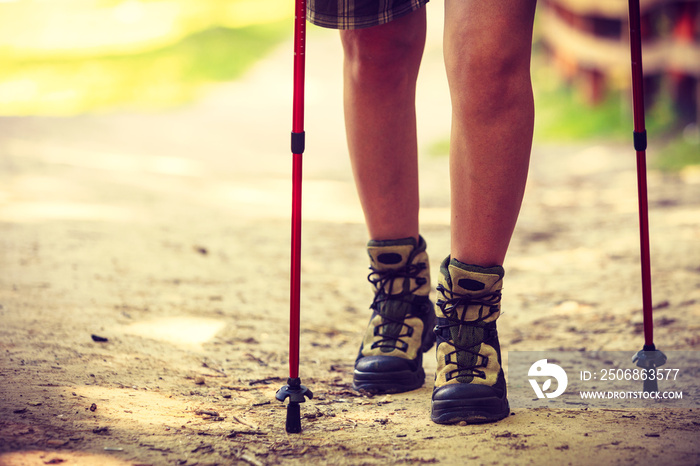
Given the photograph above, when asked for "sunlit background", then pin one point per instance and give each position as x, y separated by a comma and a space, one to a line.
70, 57
73, 56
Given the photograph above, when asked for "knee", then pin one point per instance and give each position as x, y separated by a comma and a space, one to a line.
484, 78
388, 53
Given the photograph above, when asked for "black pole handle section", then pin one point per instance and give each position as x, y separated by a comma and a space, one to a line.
298, 142
640, 141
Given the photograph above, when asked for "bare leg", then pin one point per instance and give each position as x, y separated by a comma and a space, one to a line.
380, 71
487, 55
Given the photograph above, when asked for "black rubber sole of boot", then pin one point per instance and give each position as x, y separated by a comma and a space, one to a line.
472, 411
394, 382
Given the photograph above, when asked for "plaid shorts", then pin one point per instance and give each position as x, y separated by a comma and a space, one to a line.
357, 14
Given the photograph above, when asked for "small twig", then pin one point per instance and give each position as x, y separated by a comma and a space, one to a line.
238, 389
250, 459
244, 432
204, 364
265, 381
241, 422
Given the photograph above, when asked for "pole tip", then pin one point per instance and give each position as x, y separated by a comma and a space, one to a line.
293, 425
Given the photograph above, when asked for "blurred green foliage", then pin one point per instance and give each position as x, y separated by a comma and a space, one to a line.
157, 79
677, 153
562, 115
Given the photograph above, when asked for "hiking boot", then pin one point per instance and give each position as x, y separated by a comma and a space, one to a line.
469, 381
401, 328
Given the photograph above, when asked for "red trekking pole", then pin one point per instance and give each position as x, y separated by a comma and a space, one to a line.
649, 357
294, 390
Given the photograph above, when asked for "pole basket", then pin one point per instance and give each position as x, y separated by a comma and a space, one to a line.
649, 358
297, 393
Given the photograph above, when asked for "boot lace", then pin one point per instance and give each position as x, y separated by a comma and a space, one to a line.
393, 329
451, 306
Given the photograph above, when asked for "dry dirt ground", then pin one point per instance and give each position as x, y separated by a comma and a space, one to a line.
167, 236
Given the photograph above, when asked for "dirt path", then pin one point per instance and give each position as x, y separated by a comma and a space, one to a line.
167, 235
